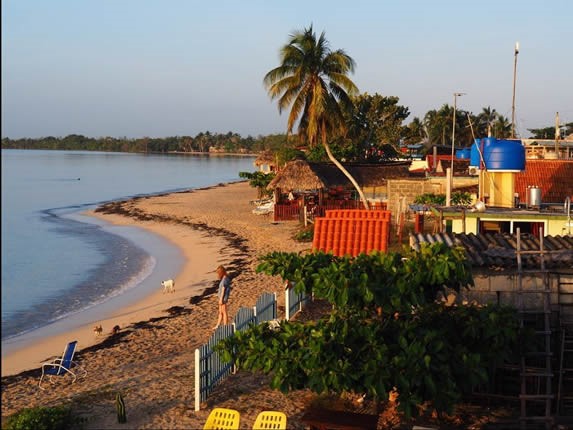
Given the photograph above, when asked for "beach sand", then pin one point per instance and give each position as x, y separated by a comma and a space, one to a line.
151, 360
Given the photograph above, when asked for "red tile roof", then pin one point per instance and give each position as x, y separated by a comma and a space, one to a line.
554, 177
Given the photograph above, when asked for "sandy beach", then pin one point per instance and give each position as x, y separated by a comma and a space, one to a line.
151, 360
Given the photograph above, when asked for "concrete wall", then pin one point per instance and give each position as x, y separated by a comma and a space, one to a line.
503, 289
404, 191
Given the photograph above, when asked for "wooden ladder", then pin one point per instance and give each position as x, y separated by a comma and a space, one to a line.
565, 385
536, 376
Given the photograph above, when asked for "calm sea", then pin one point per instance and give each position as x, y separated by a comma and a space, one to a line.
56, 261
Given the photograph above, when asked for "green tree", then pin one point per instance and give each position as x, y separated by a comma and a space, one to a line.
313, 81
501, 127
258, 180
386, 330
485, 121
415, 132
376, 121
438, 123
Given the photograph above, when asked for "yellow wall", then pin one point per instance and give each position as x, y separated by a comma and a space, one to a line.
499, 187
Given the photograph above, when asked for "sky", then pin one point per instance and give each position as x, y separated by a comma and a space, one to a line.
151, 68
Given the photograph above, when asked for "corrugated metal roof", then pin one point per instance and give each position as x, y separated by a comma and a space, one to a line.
499, 250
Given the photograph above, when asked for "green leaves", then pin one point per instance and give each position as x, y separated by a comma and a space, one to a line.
385, 330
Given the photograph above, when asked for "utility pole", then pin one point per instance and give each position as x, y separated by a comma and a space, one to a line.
451, 181
557, 134
516, 51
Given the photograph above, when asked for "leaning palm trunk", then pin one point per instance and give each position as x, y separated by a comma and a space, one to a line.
347, 174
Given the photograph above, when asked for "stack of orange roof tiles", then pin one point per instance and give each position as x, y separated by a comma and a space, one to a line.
352, 231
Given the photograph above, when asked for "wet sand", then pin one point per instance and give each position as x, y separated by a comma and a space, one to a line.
151, 360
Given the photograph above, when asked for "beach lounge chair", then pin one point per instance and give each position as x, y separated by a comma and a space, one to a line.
223, 419
267, 420
62, 366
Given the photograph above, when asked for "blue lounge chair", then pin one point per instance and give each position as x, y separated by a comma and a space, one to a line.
62, 366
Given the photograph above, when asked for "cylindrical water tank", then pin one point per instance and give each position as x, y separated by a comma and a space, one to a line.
463, 154
535, 196
479, 149
504, 155
474, 154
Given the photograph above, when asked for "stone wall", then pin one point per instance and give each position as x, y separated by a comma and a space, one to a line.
503, 288
402, 192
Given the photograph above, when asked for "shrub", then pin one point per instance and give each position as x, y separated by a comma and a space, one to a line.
305, 235
42, 418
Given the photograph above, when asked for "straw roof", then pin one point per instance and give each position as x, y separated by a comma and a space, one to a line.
303, 175
265, 157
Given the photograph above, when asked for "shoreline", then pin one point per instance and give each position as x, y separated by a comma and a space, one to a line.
152, 357
30, 350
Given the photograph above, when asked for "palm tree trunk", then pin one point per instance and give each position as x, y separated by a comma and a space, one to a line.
347, 174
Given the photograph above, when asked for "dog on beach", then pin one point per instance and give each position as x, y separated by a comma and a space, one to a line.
98, 330
115, 329
168, 286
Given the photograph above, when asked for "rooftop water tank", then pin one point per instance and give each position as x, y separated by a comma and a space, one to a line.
463, 154
478, 150
504, 155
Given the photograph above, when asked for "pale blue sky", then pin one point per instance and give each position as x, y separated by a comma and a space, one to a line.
139, 68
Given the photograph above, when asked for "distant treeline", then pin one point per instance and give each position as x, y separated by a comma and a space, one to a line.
203, 142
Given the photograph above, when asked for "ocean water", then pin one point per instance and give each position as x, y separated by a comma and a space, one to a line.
56, 261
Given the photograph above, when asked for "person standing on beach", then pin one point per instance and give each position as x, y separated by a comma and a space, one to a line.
223, 295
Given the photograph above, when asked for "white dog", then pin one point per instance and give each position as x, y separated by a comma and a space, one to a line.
168, 286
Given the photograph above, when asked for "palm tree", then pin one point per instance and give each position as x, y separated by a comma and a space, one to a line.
486, 120
313, 81
501, 127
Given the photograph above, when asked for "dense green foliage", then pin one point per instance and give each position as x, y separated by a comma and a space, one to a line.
306, 234
202, 143
459, 198
259, 180
386, 331
43, 418
549, 132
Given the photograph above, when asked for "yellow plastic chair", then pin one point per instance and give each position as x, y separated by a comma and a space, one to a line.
223, 419
270, 420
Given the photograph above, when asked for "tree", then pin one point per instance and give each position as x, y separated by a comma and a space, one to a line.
376, 121
313, 81
502, 127
485, 121
258, 180
386, 330
438, 123
415, 132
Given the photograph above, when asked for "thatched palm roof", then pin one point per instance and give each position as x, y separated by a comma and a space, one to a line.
265, 157
303, 175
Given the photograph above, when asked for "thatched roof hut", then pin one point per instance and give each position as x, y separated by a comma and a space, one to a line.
266, 158
304, 175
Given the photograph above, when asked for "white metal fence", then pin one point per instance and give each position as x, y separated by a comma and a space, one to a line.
209, 368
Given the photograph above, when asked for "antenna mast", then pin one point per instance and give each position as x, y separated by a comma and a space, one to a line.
516, 51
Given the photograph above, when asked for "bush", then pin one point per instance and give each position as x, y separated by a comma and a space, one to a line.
305, 235
42, 418
459, 198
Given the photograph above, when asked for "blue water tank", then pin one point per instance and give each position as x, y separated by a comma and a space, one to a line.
504, 155
463, 154
478, 149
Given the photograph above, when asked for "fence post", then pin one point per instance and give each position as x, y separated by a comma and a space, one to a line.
287, 303
197, 379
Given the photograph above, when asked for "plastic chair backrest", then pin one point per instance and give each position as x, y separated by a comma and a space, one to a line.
68, 355
270, 420
223, 419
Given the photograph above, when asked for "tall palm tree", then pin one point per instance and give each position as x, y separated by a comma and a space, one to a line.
486, 119
313, 81
501, 127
